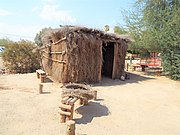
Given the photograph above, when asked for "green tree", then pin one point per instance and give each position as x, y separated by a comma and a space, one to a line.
155, 26
4, 42
43, 35
119, 30
20, 58
106, 28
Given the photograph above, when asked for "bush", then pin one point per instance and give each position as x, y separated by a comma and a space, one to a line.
19, 57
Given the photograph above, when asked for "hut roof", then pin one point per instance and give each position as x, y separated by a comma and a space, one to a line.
112, 37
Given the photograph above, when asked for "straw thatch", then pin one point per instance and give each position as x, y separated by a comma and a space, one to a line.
75, 54
77, 90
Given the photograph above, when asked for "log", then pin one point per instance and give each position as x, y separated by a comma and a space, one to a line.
40, 88
70, 130
64, 113
64, 100
62, 117
37, 75
95, 94
67, 102
55, 43
71, 116
64, 106
73, 101
84, 101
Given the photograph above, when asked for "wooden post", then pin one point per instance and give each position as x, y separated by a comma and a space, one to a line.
114, 72
62, 116
63, 101
143, 68
37, 75
85, 101
70, 117
40, 88
73, 101
81, 101
42, 77
95, 94
70, 130
127, 66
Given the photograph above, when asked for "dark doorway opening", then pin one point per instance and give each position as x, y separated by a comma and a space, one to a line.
108, 59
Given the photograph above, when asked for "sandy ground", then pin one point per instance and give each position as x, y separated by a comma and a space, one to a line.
143, 105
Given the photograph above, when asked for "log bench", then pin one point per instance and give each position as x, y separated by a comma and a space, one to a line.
67, 106
41, 75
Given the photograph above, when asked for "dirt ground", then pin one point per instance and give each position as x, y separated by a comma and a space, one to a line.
143, 105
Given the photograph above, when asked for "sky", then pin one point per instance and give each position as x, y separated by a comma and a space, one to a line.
22, 19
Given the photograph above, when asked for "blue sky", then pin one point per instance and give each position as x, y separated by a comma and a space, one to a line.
22, 19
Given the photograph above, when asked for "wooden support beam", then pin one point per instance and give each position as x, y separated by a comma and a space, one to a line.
38, 76
94, 94
63, 62
84, 101
71, 116
55, 43
42, 78
62, 117
64, 100
67, 102
64, 106
40, 88
64, 113
73, 101
114, 72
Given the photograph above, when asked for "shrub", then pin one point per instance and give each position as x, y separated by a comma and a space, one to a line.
19, 57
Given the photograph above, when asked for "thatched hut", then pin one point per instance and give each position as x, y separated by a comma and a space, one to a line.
79, 54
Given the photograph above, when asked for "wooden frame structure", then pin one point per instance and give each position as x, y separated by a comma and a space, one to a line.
67, 106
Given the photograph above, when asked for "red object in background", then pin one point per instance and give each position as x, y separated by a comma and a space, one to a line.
154, 60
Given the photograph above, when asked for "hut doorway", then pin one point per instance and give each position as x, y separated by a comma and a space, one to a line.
108, 59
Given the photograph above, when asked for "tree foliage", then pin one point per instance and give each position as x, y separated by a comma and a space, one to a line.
20, 58
106, 28
119, 30
4, 42
155, 26
42, 35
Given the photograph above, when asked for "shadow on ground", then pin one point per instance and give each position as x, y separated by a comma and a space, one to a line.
133, 78
92, 110
48, 80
